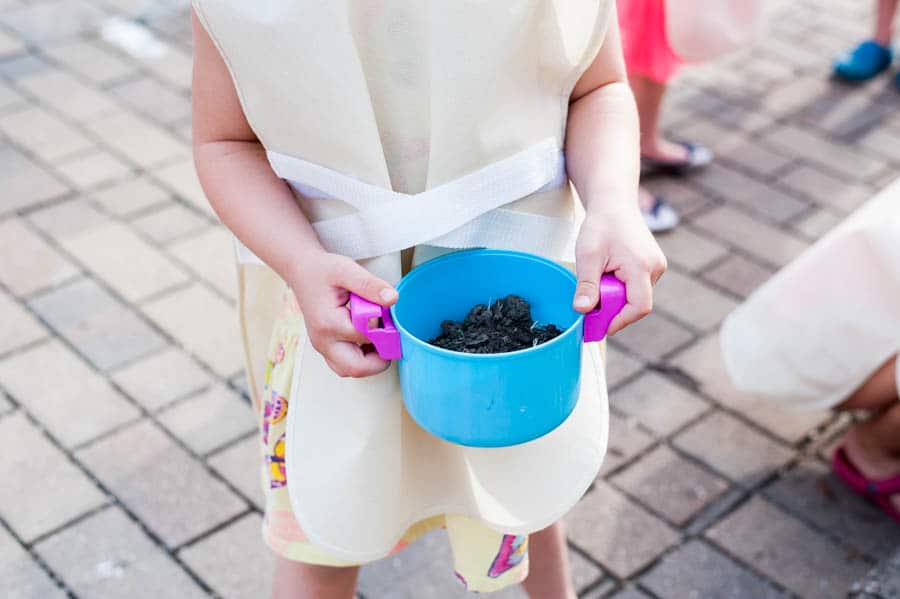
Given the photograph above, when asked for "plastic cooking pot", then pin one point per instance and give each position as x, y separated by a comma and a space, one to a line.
487, 400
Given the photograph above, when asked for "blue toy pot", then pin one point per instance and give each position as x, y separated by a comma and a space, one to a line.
487, 400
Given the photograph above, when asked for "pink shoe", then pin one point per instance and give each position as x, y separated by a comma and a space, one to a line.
878, 492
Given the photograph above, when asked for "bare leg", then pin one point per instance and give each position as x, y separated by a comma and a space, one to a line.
549, 576
649, 96
884, 21
874, 445
295, 580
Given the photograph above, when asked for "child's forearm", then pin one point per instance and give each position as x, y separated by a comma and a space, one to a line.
602, 149
257, 206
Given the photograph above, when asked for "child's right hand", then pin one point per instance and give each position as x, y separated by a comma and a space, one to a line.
323, 288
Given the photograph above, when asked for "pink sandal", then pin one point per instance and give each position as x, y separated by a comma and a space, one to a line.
877, 491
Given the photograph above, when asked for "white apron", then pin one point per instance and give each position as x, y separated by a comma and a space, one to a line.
817, 330
399, 124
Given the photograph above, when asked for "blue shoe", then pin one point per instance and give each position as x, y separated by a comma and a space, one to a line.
863, 62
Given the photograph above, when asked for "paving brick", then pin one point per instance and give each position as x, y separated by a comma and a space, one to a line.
209, 420
100, 327
657, 403
687, 200
92, 169
91, 59
653, 337
10, 45
173, 494
844, 113
817, 224
24, 182
738, 275
234, 560
830, 154
108, 556
620, 366
143, 142
691, 301
422, 571
68, 398
737, 188
630, 593
240, 465
6, 406
732, 448
19, 327
690, 251
750, 155
67, 95
30, 463
697, 570
788, 551
20, 576
10, 99
670, 485
171, 65
161, 378
43, 134
620, 535
54, 19
66, 219
172, 222
884, 143
794, 95
21, 64
130, 197
181, 178
814, 494
703, 363
763, 241
827, 190
211, 255
626, 441
204, 324
154, 100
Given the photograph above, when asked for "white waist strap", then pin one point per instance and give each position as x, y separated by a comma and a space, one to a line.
465, 212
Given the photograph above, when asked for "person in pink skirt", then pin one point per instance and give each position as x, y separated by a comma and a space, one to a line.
651, 63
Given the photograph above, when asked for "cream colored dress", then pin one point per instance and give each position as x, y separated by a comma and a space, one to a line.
405, 124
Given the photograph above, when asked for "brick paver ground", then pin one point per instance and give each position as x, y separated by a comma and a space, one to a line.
126, 439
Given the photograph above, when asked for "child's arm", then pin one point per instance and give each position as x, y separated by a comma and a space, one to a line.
602, 157
261, 210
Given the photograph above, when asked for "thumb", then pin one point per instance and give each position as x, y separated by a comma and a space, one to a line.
588, 268
356, 279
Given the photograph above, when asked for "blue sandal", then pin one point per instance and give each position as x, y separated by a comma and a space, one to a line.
697, 157
863, 62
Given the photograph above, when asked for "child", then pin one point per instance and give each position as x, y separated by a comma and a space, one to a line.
873, 56
315, 120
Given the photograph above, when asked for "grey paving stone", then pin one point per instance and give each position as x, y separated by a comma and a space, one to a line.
657, 403
54, 19
105, 331
42, 133
24, 182
20, 576
41, 488
210, 254
131, 197
171, 222
10, 99
29, 263
670, 485
630, 593
67, 219
770, 245
92, 169
732, 448
108, 556
689, 250
788, 551
210, 419
686, 199
752, 156
19, 327
161, 483
424, 570
161, 378
832, 155
626, 440
882, 582
620, 366
814, 494
234, 561
817, 224
738, 275
735, 187
6, 405
697, 570
153, 99
653, 337
827, 190
619, 534
240, 464
691, 301
69, 399
91, 59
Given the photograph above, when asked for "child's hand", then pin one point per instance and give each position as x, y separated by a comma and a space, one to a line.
618, 243
323, 289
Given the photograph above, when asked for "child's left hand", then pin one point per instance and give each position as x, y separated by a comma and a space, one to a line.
617, 242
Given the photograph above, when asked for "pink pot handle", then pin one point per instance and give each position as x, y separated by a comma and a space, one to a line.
385, 339
612, 299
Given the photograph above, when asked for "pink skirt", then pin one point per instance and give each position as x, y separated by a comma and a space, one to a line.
644, 41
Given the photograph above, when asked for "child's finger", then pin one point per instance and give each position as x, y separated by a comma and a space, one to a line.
588, 268
639, 291
353, 277
348, 360
345, 331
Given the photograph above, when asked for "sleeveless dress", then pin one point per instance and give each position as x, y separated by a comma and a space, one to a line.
406, 130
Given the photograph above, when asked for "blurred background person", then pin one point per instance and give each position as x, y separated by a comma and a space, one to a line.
873, 56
